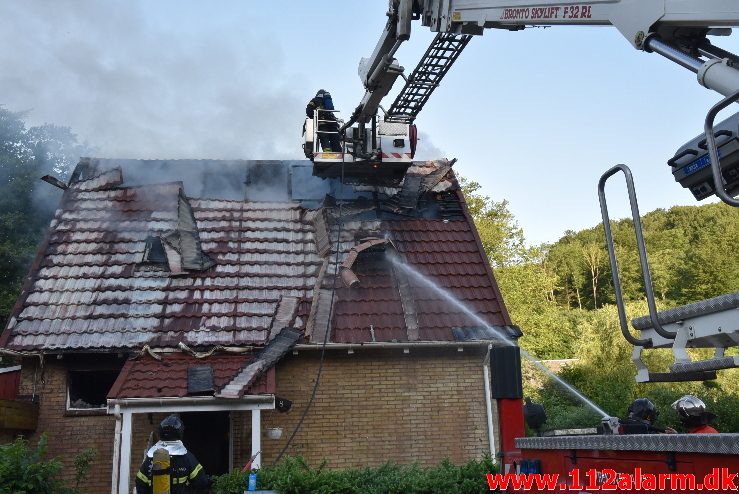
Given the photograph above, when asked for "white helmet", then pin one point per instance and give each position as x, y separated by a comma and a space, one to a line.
689, 406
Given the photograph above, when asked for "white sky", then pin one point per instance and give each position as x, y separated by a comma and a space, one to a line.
534, 116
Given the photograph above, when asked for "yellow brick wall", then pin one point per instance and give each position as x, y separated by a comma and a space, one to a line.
372, 407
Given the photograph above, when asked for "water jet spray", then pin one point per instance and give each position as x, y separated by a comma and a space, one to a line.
500, 336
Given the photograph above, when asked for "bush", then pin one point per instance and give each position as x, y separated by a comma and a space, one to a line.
23, 470
26, 471
83, 465
294, 476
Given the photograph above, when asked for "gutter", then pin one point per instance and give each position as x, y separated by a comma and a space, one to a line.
398, 345
115, 404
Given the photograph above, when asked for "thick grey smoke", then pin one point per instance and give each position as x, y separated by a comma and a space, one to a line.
134, 89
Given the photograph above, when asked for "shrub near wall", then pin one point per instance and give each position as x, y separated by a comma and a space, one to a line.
294, 476
27, 470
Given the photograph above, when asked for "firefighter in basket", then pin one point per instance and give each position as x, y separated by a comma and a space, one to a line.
328, 126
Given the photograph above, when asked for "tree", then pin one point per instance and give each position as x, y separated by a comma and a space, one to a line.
567, 265
593, 255
500, 234
525, 281
26, 203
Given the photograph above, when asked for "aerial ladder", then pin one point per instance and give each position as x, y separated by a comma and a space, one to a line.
380, 146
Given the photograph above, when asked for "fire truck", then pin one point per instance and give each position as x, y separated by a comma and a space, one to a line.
379, 146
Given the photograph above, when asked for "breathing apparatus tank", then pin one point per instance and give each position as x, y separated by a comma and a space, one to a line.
160, 472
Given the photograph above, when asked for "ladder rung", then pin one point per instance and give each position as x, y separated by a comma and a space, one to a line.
674, 377
433, 66
706, 365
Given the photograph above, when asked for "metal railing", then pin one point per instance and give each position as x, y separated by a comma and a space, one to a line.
642, 258
317, 133
718, 178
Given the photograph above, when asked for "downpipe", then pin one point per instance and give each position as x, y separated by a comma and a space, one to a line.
489, 405
116, 449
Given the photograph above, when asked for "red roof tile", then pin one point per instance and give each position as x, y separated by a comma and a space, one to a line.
444, 251
146, 377
88, 288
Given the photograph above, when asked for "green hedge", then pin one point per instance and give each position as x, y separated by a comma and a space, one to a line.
294, 476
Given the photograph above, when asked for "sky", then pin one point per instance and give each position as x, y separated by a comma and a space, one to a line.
534, 116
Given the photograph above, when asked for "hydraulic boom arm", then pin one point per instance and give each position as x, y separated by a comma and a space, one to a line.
676, 29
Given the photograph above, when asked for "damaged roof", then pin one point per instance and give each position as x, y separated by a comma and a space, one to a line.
237, 250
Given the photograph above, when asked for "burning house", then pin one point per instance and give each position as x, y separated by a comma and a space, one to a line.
225, 290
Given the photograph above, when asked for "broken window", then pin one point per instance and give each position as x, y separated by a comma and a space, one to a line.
88, 389
154, 252
155, 257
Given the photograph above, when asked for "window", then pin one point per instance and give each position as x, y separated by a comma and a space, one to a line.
88, 389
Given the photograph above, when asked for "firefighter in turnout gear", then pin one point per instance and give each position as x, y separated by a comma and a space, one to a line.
640, 418
169, 468
328, 127
694, 416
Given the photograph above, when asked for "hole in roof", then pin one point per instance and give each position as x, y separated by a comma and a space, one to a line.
155, 251
155, 257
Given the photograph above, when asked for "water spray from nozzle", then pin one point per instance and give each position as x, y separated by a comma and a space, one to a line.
611, 425
502, 337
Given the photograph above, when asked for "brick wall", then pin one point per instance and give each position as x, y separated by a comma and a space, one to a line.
69, 434
371, 407
374, 406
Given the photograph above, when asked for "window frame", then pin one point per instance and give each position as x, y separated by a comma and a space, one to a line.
68, 408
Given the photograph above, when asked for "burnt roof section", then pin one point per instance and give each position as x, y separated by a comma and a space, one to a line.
91, 288
265, 360
268, 257
448, 256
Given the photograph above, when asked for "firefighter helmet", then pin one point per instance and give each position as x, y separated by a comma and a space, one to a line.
643, 409
689, 406
171, 429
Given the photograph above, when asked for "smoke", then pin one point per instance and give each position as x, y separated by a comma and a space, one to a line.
426, 150
135, 88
